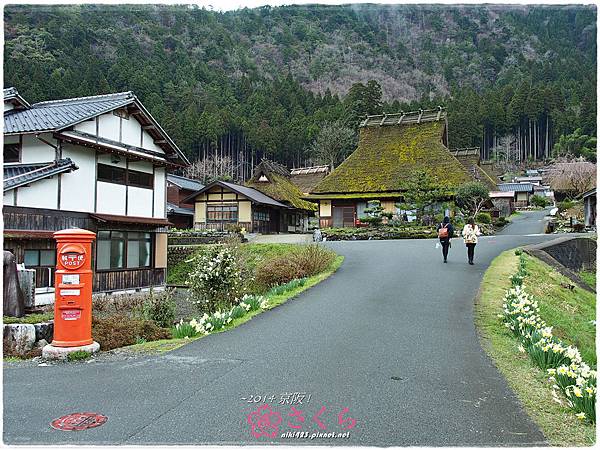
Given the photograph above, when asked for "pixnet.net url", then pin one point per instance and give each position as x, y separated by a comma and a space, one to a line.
316, 435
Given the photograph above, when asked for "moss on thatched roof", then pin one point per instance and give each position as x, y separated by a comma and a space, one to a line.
387, 156
278, 185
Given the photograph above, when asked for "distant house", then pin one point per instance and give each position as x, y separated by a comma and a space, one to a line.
503, 202
522, 192
221, 205
180, 213
276, 181
97, 163
391, 147
589, 208
537, 180
470, 158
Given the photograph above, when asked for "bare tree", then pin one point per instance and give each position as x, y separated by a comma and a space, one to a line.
211, 168
333, 143
573, 178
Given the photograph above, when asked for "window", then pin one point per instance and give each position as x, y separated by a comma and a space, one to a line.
222, 213
40, 258
119, 175
12, 153
122, 249
140, 179
111, 174
262, 215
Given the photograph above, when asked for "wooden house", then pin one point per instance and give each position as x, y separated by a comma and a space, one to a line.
180, 213
522, 192
222, 205
391, 148
97, 163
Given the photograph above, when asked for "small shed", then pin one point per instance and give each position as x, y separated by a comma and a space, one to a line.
589, 208
503, 201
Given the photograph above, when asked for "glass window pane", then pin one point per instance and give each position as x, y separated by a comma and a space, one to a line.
132, 235
133, 254
117, 235
32, 258
145, 253
116, 253
103, 235
47, 258
103, 256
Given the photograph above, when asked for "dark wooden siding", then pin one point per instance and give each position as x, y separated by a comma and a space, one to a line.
19, 218
128, 279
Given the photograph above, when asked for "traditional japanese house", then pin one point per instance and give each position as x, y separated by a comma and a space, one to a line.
275, 180
180, 213
97, 163
307, 178
221, 205
522, 192
391, 148
589, 208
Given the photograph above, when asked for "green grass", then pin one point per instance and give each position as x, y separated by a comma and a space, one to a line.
30, 318
588, 277
78, 355
275, 299
569, 312
558, 423
9, 359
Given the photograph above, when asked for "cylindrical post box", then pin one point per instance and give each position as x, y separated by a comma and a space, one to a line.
73, 288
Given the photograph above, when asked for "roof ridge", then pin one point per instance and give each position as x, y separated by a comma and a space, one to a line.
405, 118
125, 94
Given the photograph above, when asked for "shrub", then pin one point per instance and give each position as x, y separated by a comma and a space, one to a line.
500, 221
120, 330
215, 281
277, 271
159, 307
483, 217
564, 205
314, 259
538, 200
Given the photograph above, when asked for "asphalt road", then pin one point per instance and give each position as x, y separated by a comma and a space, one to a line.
390, 336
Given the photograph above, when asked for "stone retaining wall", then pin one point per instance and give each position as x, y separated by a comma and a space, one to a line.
21, 338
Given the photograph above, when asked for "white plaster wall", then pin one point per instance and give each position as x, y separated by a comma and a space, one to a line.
141, 166
9, 198
139, 202
34, 150
89, 126
41, 194
110, 198
159, 193
131, 133
109, 126
77, 187
148, 143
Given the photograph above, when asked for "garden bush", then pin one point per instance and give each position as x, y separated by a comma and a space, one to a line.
120, 330
566, 204
500, 222
277, 271
159, 307
483, 217
215, 282
538, 200
314, 259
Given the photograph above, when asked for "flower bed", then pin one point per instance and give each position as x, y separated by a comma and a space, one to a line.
563, 363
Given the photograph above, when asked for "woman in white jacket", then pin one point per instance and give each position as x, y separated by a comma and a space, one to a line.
469, 234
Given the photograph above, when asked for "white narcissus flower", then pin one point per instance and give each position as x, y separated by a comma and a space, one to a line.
521, 348
580, 416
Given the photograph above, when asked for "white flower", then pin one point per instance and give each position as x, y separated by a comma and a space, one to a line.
580, 416
521, 348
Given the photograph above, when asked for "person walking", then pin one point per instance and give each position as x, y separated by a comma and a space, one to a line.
470, 235
445, 232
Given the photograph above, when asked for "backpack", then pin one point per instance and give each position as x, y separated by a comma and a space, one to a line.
443, 231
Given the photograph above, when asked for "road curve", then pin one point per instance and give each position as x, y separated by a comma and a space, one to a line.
390, 337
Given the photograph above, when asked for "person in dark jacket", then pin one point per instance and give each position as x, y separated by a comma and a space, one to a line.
445, 236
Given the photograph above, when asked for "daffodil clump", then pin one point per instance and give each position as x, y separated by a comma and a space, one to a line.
568, 372
219, 319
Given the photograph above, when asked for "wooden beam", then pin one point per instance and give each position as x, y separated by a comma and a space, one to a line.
401, 118
161, 141
148, 127
383, 120
420, 115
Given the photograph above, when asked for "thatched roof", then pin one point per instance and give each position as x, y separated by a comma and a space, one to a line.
405, 118
470, 158
387, 156
306, 178
274, 180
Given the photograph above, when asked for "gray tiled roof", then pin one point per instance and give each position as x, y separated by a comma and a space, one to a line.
248, 192
184, 182
59, 114
16, 175
172, 208
11, 94
516, 187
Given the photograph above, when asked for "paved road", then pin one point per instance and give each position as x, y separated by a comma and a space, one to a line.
390, 337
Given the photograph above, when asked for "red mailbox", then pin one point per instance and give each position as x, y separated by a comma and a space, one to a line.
73, 288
